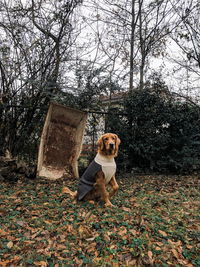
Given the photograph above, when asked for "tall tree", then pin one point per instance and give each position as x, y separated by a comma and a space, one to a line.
187, 38
134, 30
37, 41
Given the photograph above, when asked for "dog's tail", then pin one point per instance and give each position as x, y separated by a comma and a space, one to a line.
72, 194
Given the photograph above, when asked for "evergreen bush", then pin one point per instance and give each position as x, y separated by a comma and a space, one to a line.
158, 133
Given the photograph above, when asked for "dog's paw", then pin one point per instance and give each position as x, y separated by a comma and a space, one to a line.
66, 190
109, 205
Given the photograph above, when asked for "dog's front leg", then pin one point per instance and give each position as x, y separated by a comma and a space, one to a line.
113, 183
100, 183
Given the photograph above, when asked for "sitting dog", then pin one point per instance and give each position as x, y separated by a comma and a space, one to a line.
100, 172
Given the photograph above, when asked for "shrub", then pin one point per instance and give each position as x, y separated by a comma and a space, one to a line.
158, 133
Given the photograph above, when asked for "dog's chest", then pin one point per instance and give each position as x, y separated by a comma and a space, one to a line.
108, 166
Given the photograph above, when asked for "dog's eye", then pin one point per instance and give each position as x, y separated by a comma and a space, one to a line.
106, 139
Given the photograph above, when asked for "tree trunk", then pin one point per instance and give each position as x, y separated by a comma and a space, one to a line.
142, 47
132, 45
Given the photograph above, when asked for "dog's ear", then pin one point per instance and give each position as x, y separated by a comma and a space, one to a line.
117, 143
117, 140
100, 144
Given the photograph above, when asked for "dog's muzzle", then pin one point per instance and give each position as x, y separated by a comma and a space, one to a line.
112, 145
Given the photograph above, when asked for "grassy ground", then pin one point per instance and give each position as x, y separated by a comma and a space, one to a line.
156, 222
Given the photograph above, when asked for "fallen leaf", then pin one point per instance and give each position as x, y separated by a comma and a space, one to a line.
47, 222
158, 248
3, 212
106, 237
162, 233
176, 244
184, 262
133, 232
3, 233
79, 262
91, 202
5, 263
60, 247
92, 247
10, 244
10, 262
189, 246
21, 223
91, 238
40, 263
85, 232
176, 254
160, 244
133, 199
150, 255
126, 209
122, 231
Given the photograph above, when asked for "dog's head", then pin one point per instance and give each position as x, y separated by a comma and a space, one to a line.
108, 144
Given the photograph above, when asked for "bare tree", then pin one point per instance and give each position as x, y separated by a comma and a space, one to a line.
134, 31
187, 35
37, 42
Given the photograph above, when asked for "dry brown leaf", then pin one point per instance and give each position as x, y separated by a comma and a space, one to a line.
162, 233
133, 199
3, 233
126, 209
112, 246
176, 244
5, 263
60, 247
184, 262
40, 263
47, 222
106, 237
10, 244
175, 253
97, 259
109, 258
150, 255
133, 231
189, 246
85, 232
91, 238
92, 247
79, 262
122, 231
158, 248
160, 244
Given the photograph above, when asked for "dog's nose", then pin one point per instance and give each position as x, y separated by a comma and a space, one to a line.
111, 145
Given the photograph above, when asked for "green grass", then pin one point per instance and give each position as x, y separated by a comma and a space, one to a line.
155, 222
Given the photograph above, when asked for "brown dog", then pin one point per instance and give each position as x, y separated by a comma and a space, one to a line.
100, 172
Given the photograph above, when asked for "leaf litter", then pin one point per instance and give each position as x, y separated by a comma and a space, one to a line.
155, 222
